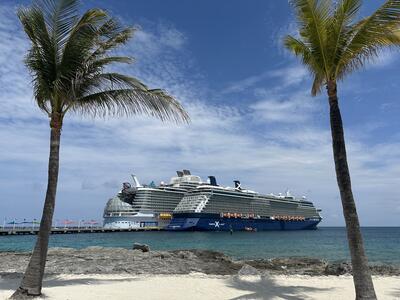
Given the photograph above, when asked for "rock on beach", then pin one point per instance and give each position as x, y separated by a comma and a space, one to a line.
102, 260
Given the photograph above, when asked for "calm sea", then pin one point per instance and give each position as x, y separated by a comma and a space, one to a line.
382, 243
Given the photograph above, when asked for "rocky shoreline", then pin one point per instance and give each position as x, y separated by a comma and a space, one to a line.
99, 260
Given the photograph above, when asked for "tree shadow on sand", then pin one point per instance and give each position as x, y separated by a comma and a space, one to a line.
54, 282
396, 293
266, 288
11, 281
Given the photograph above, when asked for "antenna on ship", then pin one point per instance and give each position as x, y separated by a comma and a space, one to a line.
136, 181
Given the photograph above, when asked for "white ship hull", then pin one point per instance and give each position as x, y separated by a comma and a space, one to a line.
136, 221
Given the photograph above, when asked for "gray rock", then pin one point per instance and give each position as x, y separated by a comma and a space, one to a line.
98, 260
291, 265
338, 268
248, 270
143, 247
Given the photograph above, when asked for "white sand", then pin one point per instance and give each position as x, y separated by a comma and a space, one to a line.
200, 286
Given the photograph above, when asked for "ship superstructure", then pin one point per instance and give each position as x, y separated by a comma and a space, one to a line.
213, 207
137, 206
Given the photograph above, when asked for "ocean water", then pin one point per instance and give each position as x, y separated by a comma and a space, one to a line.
330, 243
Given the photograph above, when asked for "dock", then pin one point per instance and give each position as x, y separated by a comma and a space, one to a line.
73, 230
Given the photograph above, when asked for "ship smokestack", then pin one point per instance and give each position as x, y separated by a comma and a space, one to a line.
186, 172
213, 181
237, 184
179, 173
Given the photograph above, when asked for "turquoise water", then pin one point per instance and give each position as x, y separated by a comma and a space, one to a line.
382, 243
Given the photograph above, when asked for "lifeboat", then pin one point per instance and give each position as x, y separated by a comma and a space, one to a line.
250, 229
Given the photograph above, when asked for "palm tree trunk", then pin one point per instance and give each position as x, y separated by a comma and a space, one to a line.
31, 284
361, 274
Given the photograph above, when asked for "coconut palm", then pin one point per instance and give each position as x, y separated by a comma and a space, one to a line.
331, 44
68, 57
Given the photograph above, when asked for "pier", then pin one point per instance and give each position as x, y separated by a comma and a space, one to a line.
72, 230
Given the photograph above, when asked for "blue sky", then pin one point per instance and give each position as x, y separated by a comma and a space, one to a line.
253, 118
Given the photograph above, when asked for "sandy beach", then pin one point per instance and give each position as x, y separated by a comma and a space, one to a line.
201, 286
117, 273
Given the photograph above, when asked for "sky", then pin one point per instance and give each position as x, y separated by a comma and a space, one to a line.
252, 115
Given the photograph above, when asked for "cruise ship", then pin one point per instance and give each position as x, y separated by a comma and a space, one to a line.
140, 206
217, 208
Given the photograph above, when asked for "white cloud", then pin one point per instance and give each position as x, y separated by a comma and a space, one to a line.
287, 76
148, 43
245, 84
171, 36
270, 143
291, 75
296, 107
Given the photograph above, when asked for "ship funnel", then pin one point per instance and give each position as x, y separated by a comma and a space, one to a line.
179, 173
237, 184
186, 172
136, 181
212, 180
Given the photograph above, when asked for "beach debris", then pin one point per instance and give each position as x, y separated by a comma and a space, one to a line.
143, 247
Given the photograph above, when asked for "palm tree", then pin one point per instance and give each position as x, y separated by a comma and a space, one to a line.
67, 60
332, 44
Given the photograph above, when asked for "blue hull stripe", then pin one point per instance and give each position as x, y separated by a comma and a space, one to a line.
213, 222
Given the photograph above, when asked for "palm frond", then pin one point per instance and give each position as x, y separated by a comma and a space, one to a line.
301, 50
114, 40
40, 58
112, 87
332, 43
102, 81
83, 38
68, 57
60, 16
155, 103
103, 62
120, 80
343, 17
319, 81
313, 17
369, 36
